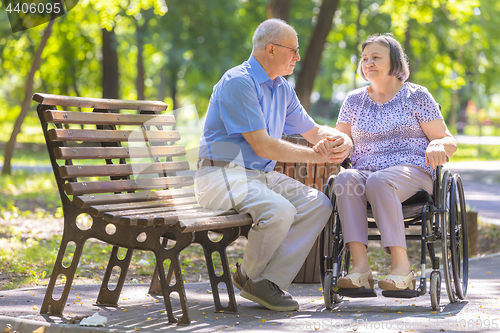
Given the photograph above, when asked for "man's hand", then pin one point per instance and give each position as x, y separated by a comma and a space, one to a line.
336, 149
435, 154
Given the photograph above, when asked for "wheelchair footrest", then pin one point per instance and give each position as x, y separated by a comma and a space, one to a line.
357, 292
400, 293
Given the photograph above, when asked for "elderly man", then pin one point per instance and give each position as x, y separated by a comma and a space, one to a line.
251, 106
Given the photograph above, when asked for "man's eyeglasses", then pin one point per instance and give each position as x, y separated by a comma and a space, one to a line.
295, 51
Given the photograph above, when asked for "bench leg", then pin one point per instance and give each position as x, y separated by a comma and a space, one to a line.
155, 285
50, 305
110, 297
210, 247
171, 256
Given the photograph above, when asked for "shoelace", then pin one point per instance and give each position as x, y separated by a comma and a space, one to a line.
275, 286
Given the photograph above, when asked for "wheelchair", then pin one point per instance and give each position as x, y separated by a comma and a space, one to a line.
441, 217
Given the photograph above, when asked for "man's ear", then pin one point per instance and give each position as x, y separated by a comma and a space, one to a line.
270, 49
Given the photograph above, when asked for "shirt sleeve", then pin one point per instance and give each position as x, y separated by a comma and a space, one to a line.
297, 119
425, 108
239, 107
346, 112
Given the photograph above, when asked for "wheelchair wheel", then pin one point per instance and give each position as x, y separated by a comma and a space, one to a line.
445, 204
326, 249
435, 291
458, 238
326, 262
333, 257
342, 267
332, 246
328, 294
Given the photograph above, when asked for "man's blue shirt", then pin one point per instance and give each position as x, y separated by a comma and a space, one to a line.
244, 100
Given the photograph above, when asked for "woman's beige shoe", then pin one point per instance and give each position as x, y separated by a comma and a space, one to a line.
357, 280
400, 282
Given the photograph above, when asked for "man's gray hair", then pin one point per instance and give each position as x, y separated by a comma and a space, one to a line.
270, 31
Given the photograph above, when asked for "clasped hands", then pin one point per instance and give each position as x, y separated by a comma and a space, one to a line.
333, 149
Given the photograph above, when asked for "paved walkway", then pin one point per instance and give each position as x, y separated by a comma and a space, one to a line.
481, 182
138, 311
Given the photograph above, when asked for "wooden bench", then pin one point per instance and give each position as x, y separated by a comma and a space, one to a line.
143, 206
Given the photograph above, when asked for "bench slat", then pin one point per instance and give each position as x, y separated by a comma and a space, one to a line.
100, 210
112, 135
100, 118
116, 216
124, 185
85, 201
99, 103
69, 153
170, 218
75, 171
215, 223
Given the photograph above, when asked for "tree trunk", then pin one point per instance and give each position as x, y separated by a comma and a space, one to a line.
407, 48
163, 84
278, 9
173, 92
110, 75
139, 82
356, 46
455, 99
25, 106
312, 58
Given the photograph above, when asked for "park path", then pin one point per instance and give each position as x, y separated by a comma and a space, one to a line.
139, 311
481, 182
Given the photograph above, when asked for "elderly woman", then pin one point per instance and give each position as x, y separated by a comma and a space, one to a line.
399, 138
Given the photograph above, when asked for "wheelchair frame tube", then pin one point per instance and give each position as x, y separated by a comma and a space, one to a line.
423, 241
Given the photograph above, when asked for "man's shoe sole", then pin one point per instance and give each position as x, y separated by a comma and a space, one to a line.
262, 302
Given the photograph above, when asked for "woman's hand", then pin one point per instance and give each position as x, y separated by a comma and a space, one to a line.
435, 154
442, 143
336, 148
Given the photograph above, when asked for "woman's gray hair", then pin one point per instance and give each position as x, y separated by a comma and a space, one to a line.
268, 32
399, 60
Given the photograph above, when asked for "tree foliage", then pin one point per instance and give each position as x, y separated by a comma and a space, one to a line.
186, 46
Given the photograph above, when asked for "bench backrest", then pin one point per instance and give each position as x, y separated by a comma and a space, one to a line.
104, 157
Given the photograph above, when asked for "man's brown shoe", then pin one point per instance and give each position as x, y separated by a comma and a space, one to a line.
239, 280
269, 295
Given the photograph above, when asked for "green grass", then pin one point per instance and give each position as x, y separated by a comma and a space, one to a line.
27, 154
26, 261
29, 261
30, 194
486, 130
466, 152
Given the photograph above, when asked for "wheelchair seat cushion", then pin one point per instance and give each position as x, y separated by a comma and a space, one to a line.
412, 207
421, 197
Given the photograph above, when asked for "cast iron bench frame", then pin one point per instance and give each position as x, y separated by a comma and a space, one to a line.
126, 210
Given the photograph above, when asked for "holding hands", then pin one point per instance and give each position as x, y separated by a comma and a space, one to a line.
333, 149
